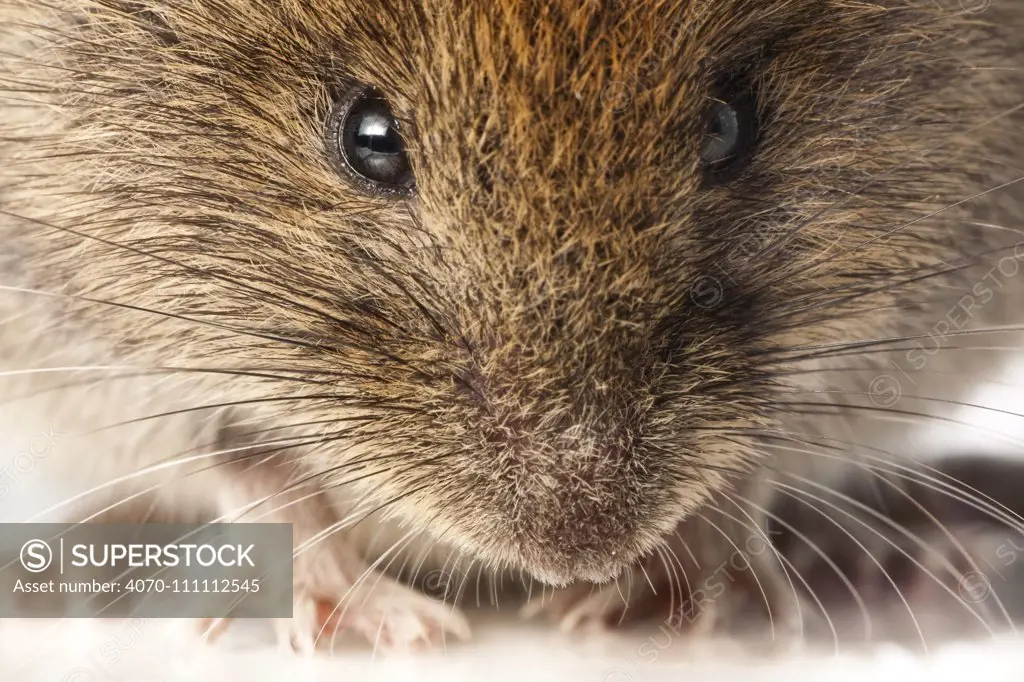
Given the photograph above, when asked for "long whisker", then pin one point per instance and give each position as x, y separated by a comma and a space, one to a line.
753, 524
907, 413
814, 547
757, 580
889, 463
789, 567
791, 492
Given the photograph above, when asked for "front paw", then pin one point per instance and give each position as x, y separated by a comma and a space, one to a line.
334, 589
389, 615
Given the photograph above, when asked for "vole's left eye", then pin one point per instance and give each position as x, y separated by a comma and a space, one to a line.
729, 136
365, 144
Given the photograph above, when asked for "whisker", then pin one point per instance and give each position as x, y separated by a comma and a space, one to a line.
793, 493
889, 464
754, 525
753, 573
904, 413
790, 567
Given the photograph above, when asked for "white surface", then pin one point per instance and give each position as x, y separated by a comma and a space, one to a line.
161, 651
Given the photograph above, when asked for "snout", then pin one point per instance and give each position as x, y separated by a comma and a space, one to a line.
584, 546
570, 465
586, 517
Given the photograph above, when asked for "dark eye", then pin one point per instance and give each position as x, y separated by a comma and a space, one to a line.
729, 136
365, 144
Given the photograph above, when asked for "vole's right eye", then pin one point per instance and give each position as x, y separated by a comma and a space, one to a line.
365, 144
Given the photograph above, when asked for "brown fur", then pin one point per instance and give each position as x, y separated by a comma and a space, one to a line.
519, 347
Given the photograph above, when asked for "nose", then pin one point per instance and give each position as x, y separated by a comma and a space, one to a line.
570, 564
570, 528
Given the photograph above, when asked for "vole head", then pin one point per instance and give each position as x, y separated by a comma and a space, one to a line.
532, 269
